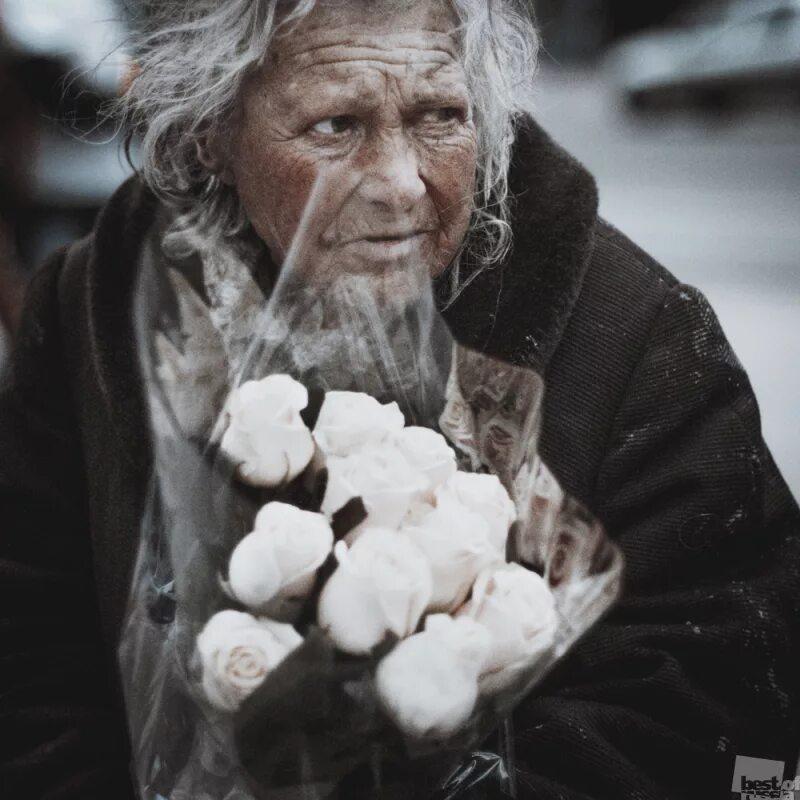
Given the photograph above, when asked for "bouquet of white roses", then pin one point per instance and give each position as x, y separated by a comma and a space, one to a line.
353, 564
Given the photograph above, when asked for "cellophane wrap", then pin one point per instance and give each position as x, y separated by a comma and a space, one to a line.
315, 728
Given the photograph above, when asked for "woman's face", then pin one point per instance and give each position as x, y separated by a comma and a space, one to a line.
361, 113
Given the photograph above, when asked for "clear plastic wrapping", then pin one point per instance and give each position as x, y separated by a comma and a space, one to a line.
317, 725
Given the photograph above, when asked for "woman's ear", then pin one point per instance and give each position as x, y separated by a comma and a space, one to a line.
213, 156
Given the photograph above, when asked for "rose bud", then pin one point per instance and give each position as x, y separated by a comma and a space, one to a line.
273, 568
429, 683
266, 438
457, 544
427, 451
383, 479
237, 653
381, 586
518, 608
485, 495
352, 421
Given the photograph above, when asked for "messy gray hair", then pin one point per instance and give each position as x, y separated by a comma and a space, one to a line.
192, 57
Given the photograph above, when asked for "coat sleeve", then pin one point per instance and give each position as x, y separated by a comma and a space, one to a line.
698, 662
63, 734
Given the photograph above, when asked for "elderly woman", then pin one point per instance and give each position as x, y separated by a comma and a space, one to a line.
417, 115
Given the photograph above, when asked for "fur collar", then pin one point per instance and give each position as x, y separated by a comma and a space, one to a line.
516, 312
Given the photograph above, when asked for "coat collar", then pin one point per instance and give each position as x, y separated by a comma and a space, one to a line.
516, 311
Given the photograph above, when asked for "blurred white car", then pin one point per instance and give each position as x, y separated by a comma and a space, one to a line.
722, 50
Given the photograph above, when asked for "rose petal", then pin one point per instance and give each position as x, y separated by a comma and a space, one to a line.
427, 689
237, 653
457, 545
517, 606
382, 585
351, 421
485, 495
279, 560
253, 572
266, 438
385, 482
427, 451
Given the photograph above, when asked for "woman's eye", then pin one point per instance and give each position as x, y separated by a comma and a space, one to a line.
333, 125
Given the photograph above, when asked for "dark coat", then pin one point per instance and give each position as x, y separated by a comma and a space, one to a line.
649, 419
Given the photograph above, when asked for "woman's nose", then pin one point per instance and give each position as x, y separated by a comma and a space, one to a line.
391, 176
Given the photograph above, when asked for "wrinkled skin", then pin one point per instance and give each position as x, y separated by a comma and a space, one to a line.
361, 113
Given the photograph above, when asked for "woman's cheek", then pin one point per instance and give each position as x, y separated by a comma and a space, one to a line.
275, 188
451, 168
450, 176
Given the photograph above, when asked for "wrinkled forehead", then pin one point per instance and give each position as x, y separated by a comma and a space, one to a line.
398, 33
362, 49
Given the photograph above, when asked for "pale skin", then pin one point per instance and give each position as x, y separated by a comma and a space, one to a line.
363, 113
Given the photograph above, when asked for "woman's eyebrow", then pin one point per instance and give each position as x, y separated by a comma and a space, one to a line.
439, 94
440, 45
308, 95
437, 88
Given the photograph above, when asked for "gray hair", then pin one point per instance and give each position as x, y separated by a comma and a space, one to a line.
192, 59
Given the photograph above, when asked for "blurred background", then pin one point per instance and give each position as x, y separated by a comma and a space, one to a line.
686, 111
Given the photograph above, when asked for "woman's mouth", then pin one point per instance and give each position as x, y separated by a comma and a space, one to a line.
389, 247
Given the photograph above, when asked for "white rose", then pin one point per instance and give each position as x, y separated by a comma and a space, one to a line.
518, 608
457, 544
279, 560
429, 682
428, 452
382, 585
383, 479
266, 437
237, 652
485, 495
351, 421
